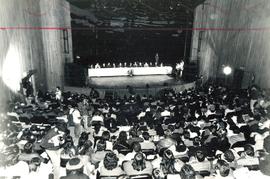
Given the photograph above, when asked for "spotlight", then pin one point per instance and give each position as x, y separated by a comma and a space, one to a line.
227, 70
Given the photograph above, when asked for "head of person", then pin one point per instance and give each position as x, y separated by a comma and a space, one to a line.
62, 127
110, 161
74, 165
83, 138
122, 136
158, 174
106, 135
168, 155
136, 147
34, 163
28, 148
187, 172
229, 156
139, 162
223, 168
249, 150
146, 135
101, 145
200, 155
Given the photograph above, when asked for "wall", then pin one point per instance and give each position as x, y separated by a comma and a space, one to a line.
235, 33
26, 45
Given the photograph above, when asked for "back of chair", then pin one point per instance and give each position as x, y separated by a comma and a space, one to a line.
148, 151
142, 176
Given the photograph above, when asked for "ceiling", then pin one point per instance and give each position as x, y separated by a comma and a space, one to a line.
134, 13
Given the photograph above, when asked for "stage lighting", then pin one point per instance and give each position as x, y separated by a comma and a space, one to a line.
227, 70
11, 71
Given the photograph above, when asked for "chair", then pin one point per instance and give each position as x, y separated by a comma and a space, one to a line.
124, 151
148, 151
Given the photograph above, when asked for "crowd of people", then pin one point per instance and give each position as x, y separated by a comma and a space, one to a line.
210, 132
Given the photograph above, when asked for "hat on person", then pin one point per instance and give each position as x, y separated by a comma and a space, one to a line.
74, 164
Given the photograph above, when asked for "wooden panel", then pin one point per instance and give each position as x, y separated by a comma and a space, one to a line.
235, 33
25, 45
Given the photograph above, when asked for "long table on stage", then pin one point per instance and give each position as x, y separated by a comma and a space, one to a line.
125, 71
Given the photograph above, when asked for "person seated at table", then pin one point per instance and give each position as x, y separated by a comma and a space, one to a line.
109, 65
113, 65
125, 64
130, 64
138, 165
110, 166
120, 65
140, 64
135, 64
103, 65
97, 65
150, 64
146, 64
161, 64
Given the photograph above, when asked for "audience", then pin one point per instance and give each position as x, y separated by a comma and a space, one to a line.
206, 132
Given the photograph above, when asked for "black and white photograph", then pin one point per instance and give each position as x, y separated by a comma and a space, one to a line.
134, 89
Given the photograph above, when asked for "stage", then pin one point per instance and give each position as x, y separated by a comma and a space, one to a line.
125, 85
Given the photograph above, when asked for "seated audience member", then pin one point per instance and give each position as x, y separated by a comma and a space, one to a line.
147, 144
264, 163
121, 142
75, 170
136, 148
10, 166
28, 154
199, 161
170, 165
138, 166
68, 151
99, 153
110, 166
37, 170
187, 172
167, 142
231, 157
223, 171
248, 158
134, 137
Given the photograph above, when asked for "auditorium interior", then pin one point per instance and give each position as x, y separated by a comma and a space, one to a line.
134, 89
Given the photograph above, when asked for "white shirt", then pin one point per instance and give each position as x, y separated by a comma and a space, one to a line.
76, 115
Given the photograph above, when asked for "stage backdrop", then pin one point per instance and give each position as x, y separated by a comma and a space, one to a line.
26, 45
235, 33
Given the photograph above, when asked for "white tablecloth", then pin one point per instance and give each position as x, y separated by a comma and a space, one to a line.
125, 71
